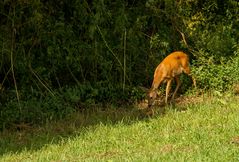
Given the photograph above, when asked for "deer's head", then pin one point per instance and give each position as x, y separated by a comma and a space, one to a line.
151, 96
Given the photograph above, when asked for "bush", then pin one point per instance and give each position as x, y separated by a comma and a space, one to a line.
38, 108
217, 76
34, 111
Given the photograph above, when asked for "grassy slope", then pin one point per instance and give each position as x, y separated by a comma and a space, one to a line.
205, 131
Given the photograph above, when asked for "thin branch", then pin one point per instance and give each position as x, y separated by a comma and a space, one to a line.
11, 58
5, 77
106, 44
35, 74
73, 76
183, 37
39, 79
125, 34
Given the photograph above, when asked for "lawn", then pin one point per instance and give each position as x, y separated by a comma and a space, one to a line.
204, 129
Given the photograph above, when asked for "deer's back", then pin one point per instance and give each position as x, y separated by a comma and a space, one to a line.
174, 64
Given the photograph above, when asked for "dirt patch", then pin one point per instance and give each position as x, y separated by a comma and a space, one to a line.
167, 148
188, 100
102, 155
180, 101
235, 140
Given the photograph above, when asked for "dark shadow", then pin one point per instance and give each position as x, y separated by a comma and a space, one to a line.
35, 137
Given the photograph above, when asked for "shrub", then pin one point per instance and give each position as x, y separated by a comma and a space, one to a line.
218, 76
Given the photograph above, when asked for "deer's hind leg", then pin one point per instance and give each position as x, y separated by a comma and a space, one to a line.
177, 87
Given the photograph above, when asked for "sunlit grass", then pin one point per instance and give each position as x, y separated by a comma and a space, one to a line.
203, 131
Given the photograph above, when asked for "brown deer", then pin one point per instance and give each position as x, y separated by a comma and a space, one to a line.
171, 67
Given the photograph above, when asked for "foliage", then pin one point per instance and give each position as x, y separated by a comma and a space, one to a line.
101, 51
217, 76
34, 111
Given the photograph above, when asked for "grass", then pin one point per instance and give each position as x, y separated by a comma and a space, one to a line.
207, 130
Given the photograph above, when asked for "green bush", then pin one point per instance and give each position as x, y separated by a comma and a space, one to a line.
217, 76
38, 108
34, 111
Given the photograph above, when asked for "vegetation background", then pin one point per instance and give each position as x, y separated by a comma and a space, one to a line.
61, 56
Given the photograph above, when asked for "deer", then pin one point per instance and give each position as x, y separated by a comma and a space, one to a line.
169, 69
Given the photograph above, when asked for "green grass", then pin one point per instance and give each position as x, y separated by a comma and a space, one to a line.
197, 131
